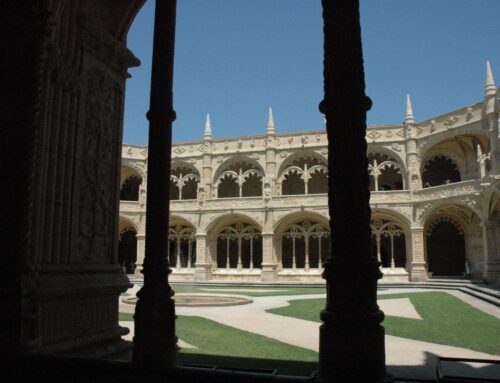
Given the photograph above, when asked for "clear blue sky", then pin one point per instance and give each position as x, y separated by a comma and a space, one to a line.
235, 58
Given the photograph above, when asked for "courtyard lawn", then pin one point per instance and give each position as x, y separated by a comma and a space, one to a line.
126, 317
445, 320
224, 346
247, 290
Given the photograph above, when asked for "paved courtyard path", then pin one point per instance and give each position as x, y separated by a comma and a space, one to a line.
404, 357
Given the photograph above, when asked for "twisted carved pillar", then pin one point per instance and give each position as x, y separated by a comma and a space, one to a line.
351, 338
155, 340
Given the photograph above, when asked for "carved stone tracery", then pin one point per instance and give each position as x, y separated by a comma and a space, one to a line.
98, 158
237, 234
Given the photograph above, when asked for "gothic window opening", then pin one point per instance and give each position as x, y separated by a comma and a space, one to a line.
130, 189
181, 247
385, 173
183, 183
388, 243
127, 250
305, 175
239, 246
240, 179
305, 245
445, 248
440, 170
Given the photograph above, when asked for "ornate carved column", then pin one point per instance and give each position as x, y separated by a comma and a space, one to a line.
207, 159
352, 345
155, 340
203, 263
413, 179
268, 259
140, 253
491, 243
62, 114
271, 152
418, 272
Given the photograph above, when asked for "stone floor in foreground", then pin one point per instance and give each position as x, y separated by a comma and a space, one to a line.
404, 357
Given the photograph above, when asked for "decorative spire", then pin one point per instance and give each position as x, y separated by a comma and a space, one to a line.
270, 122
490, 88
208, 128
409, 119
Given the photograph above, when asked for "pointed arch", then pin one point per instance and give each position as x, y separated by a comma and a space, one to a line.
385, 172
184, 181
239, 177
131, 181
304, 172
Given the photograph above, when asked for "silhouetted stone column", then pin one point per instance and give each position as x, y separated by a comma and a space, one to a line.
155, 340
351, 337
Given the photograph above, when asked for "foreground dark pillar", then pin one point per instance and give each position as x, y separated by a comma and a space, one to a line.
155, 340
351, 337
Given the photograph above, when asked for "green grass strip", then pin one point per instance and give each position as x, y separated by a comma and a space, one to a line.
125, 317
445, 320
225, 346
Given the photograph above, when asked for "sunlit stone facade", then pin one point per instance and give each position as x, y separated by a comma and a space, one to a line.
255, 208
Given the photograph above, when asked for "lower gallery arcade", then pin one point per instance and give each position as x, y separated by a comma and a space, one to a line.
236, 248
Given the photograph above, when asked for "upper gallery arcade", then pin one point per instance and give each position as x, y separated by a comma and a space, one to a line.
255, 208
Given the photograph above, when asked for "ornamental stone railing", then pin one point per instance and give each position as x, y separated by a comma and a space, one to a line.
298, 200
130, 206
390, 197
455, 189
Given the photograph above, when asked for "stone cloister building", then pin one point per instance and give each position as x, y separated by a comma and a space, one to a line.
255, 208
62, 115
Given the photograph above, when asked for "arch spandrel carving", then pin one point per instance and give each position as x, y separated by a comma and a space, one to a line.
229, 160
211, 223
293, 155
442, 138
127, 222
464, 212
133, 167
402, 217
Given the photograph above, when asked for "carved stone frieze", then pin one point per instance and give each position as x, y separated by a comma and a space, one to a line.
138, 166
390, 198
374, 135
96, 180
179, 150
448, 191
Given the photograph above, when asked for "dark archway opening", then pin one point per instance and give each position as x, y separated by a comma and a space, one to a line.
440, 170
446, 250
252, 187
130, 189
293, 184
318, 183
127, 251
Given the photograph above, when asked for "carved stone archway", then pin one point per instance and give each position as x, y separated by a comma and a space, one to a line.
181, 246
385, 172
304, 245
389, 243
305, 174
445, 247
239, 246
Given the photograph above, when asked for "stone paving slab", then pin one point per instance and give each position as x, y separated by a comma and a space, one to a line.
399, 307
